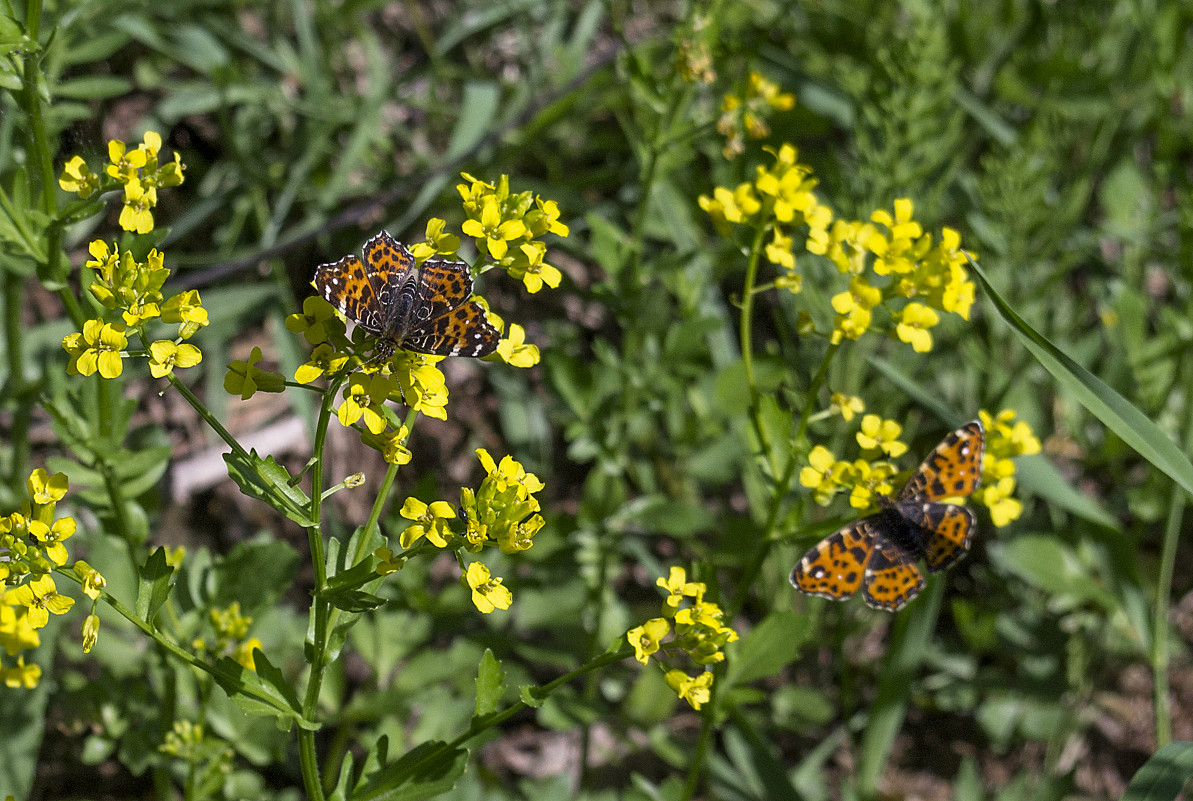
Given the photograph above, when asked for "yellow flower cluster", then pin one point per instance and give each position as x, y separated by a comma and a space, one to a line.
863, 478
507, 228
31, 546
134, 288
502, 511
745, 117
138, 172
780, 197
893, 264
699, 631
231, 636
1006, 438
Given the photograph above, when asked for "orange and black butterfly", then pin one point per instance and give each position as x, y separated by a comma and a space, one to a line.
879, 553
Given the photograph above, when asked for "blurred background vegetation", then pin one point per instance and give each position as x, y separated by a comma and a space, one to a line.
1056, 137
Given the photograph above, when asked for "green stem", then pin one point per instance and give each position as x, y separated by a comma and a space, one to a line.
483, 724
14, 303
746, 336
782, 486
207, 416
708, 723
1160, 657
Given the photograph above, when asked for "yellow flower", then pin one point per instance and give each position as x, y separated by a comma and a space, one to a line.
913, 325
166, 355
695, 690
997, 498
430, 521
22, 675
645, 639
52, 537
242, 654
881, 435
487, 593
438, 242
41, 598
386, 563
44, 488
90, 632
779, 250
186, 309
526, 263
846, 405
491, 232
93, 582
136, 214
16, 630
318, 321
514, 351
677, 586
77, 177
869, 479
822, 474
97, 348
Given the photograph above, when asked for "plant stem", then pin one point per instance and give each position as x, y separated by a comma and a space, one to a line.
1160, 658
782, 486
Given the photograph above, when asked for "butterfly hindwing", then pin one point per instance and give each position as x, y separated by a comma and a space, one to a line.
463, 331
835, 566
947, 527
891, 578
952, 470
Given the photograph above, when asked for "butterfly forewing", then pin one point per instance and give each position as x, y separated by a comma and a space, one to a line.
952, 470
891, 579
834, 567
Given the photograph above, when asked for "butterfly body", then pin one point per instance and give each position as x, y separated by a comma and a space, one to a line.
878, 554
427, 310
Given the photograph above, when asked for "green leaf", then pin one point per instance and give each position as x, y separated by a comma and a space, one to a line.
354, 600
428, 770
1164, 775
532, 695
157, 579
266, 480
260, 693
768, 648
490, 684
93, 87
255, 574
1130, 424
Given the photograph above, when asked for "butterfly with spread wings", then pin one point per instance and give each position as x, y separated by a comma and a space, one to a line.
423, 311
879, 553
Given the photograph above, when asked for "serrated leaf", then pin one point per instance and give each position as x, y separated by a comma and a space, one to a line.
532, 695
156, 581
490, 684
267, 481
426, 771
260, 693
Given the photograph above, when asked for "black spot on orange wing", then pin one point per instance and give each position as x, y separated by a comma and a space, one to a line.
951, 527
891, 579
834, 568
952, 470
